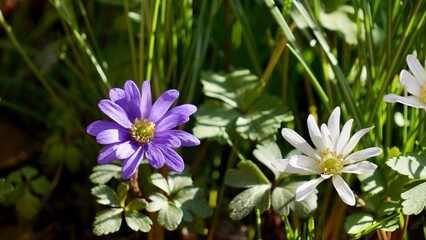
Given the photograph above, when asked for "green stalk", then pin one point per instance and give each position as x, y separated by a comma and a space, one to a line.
152, 40
258, 224
29, 62
131, 41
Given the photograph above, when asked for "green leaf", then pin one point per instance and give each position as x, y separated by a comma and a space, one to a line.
199, 207
178, 181
413, 166
159, 181
342, 21
187, 193
28, 205
267, 152
414, 198
372, 183
29, 172
72, 157
238, 89
107, 221
213, 121
40, 185
263, 120
137, 204
5, 188
104, 173
358, 222
257, 197
158, 201
170, 216
283, 200
122, 191
106, 196
138, 221
247, 175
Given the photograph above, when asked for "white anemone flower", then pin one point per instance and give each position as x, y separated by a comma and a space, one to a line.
414, 83
331, 156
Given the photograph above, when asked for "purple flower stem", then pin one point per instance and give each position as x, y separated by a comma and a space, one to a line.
134, 185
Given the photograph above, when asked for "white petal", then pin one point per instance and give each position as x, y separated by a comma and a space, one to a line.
307, 188
344, 136
354, 141
417, 69
298, 142
362, 155
303, 162
283, 166
315, 133
410, 83
343, 190
334, 124
411, 101
359, 168
326, 137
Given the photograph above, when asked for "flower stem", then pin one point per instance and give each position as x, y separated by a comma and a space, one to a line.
134, 185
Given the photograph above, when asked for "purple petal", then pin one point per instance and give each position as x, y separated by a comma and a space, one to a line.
131, 164
162, 104
173, 160
133, 99
116, 94
146, 99
107, 154
184, 109
186, 139
115, 112
126, 149
112, 136
167, 140
98, 126
154, 155
170, 122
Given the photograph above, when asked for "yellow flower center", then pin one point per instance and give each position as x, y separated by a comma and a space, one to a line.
330, 162
424, 93
142, 130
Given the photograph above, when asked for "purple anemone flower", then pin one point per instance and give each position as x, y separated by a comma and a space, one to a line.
141, 129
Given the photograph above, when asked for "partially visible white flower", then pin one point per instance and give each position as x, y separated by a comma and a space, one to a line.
331, 156
414, 83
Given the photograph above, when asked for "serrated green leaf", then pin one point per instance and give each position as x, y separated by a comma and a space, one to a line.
414, 198
104, 173
5, 188
158, 201
137, 204
263, 120
237, 89
29, 172
106, 195
212, 122
178, 181
358, 222
342, 21
283, 200
122, 191
28, 205
247, 175
413, 166
187, 194
159, 181
199, 207
170, 216
40, 185
257, 197
107, 221
373, 182
267, 152
138, 221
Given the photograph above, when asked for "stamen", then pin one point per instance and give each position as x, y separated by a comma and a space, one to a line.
330, 162
142, 130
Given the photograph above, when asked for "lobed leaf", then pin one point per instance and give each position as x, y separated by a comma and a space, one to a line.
247, 175
138, 221
104, 173
283, 200
105, 195
28, 205
257, 197
414, 198
107, 221
5, 188
159, 181
40, 185
413, 165
170, 216
267, 152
